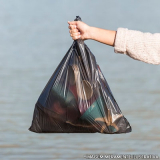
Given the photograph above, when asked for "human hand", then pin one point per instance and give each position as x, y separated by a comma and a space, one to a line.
79, 29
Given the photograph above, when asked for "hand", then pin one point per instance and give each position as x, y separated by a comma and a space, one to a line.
79, 30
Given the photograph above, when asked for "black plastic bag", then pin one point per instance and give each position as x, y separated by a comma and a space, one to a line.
77, 98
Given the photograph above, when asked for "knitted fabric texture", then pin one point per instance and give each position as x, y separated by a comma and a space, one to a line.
138, 45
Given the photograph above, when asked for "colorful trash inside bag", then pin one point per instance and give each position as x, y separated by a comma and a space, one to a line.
77, 98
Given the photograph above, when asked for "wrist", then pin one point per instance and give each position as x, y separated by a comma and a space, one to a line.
90, 33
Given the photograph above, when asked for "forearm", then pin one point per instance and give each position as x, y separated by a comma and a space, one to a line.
102, 35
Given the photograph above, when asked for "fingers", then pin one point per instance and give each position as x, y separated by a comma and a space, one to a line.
74, 32
72, 26
75, 35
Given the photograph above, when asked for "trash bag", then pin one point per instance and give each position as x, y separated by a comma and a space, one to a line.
77, 98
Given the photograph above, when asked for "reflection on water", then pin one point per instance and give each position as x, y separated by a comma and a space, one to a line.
33, 40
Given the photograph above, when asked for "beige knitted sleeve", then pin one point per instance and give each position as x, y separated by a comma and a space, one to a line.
138, 45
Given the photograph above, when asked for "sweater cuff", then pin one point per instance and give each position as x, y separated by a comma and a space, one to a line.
120, 41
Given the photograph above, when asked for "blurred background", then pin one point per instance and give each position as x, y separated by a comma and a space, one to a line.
34, 37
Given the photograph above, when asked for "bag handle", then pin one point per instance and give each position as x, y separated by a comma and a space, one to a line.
78, 18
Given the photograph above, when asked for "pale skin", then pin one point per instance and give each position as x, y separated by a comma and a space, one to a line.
80, 30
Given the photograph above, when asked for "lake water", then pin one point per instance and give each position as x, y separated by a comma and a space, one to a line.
34, 37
